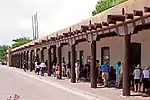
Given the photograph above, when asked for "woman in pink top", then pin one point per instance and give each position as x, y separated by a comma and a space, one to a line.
57, 71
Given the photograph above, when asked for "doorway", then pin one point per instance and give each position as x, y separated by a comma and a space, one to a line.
135, 54
105, 55
81, 57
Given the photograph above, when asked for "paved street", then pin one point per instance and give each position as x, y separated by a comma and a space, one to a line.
12, 82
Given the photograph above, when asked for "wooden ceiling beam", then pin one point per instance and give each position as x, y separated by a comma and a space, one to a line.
114, 18
129, 16
146, 9
137, 12
105, 24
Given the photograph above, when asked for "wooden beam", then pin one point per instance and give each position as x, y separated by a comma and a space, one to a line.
105, 24
146, 9
114, 18
129, 16
26, 46
43, 40
84, 28
104, 35
36, 43
70, 33
138, 12
53, 38
80, 40
98, 25
65, 34
63, 44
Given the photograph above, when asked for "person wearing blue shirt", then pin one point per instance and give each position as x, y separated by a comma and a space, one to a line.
105, 73
117, 67
68, 67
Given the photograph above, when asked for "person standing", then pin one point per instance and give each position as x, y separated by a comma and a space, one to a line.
35, 65
54, 69
63, 69
105, 73
43, 66
77, 70
137, 73
97, 70
118, 69
146, 76
24, 65
37, 68
121, 76
68, 66
58, 71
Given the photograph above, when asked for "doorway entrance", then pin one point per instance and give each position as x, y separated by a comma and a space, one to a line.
135, 54
105, 55
81, 55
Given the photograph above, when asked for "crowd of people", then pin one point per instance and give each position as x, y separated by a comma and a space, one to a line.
107, 75
139, 76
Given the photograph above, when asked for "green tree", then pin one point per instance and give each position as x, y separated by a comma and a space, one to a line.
20, 41
3, 50
103, 5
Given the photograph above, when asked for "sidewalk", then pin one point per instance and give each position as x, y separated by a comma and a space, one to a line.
84, 88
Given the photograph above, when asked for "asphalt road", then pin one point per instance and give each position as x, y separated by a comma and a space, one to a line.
28, 88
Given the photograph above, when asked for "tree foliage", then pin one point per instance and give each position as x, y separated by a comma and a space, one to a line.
20, 41
3, 50
17, 42
103, 5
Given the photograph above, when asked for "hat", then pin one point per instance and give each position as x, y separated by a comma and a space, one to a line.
147, 67
138, 66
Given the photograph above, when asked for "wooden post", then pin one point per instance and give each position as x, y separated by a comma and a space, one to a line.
42, 54
73, 78
49, 61
31, 60
21, 60
126, 66
54, 54
27, 55
93, 65
59, 60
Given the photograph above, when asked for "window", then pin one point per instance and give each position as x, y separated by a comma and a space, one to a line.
105, 55
81, 55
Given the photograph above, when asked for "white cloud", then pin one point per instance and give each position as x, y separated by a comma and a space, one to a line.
15, 16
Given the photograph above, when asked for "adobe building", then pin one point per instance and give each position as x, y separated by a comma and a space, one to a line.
120, 33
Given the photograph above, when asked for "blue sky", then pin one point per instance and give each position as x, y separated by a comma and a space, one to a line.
15, 16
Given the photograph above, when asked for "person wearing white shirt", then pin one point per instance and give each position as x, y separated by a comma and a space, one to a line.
43, 66
77, 70
35, 64
37, 68
146, 76
137, 73
54, 69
